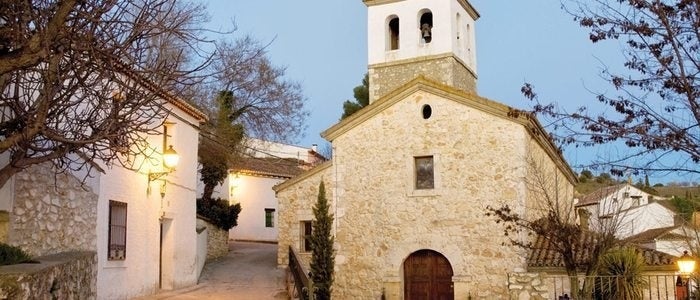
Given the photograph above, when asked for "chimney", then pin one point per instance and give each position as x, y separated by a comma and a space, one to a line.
314, 147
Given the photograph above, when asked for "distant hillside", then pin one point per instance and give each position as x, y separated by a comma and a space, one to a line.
679, 191
587, 187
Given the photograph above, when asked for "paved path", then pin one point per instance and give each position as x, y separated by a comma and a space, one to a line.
249, 271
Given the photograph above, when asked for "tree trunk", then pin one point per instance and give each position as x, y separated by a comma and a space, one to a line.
208, 190
6, 173
575, 291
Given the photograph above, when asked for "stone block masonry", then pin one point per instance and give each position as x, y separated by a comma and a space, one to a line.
71, 275
448, 70
217, 245
52, 213
527, 286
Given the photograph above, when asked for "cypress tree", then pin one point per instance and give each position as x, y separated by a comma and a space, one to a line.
322, 256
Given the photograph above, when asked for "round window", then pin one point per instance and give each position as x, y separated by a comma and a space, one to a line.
427, 111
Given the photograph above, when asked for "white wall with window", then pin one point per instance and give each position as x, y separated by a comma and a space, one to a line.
146, 238
257, 220
421, 28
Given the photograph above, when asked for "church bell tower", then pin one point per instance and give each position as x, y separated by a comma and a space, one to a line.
410, 38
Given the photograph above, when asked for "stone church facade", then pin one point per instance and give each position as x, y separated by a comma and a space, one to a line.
413, 172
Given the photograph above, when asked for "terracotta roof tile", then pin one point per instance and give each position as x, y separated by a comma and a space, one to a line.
595, 196
650, 235
275, 167
543, 255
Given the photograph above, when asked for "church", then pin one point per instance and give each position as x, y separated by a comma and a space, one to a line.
413, 172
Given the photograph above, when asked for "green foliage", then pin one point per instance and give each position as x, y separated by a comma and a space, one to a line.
621, 275
604, 178
684, 206
322, 255
361, 94
586, 174
659, 185
219, 211
11, 255
217, 146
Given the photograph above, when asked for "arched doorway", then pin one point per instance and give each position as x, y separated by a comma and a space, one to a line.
427, 276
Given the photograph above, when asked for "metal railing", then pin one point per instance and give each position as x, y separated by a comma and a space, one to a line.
302, 283
654, 287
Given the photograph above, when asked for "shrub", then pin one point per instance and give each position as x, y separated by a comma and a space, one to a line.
219, 211
621, 275
11, 255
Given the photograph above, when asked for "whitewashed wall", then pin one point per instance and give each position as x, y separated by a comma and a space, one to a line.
255, 194
642, 218
139, 274
446, 29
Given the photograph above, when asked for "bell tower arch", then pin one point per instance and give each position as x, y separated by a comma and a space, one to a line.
410, 38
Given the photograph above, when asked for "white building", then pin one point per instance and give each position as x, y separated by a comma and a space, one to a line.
250, 183
672, 240
141, 226
161, 217
632, 210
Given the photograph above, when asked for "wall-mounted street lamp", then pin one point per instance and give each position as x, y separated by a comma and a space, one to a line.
686, 266
170, 160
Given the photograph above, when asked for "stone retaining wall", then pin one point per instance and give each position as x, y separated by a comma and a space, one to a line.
526, 286
52, 213
70, 275
217, 245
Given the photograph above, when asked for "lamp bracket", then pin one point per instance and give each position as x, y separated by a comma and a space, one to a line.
156, 175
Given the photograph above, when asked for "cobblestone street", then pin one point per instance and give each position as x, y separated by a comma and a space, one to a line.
249, 271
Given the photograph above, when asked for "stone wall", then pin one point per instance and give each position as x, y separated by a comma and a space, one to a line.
71, 275
217, 244
480, 160
52, 213
202, 249
526, 286
445, 69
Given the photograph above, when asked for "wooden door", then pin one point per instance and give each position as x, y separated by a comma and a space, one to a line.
428, 276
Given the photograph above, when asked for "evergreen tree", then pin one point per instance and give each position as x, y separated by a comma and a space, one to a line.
322, 256
646, 180
361, 94
220, 144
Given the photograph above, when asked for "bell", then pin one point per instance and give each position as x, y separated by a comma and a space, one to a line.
425, 30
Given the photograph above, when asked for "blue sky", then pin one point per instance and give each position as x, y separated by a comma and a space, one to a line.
323, 44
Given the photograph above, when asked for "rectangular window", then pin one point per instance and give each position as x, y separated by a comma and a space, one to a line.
117, 231
269, 217
306, 229
425, 176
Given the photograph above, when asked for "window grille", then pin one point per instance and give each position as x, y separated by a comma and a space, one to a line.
117, 231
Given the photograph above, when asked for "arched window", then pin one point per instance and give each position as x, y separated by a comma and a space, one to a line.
392, 42
426, 26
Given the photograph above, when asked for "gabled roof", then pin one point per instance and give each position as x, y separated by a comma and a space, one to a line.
600, 194
651, 235
167, 96
421, 83
272, 167
303, 176
544, 256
